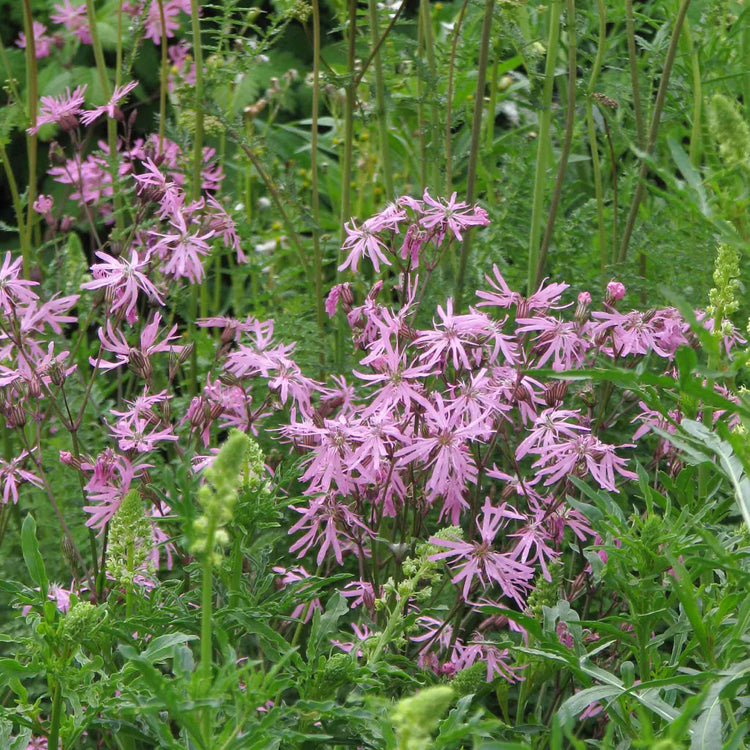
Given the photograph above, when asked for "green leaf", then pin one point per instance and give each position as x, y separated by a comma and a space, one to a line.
325, 625
691, 176
31, 555
580, 701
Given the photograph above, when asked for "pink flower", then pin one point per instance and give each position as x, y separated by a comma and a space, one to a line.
132, 433
479, 560
362, 634
13, 289
442, 215
181, 251
341, 292
123, 279
114, 341
558, 340
443, 447
73, 18
453, 338
12, 476
543, 298
42, 42
153, 20
615, 292
43, 205
112, 478
579, 456
295, 575
110, 108
329, 523
63, 110
363, 241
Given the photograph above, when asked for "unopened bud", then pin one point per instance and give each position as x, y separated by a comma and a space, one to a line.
35, 386
15, 415
56, 373
185, 354
555, 392
140, 364
372, 295
67, 458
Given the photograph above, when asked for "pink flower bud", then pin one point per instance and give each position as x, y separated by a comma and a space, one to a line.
615, 292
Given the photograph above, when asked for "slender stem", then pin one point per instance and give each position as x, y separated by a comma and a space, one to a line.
163, 77
593, 148
640, 127
376, 49
746, 65
449, 100
351, 89
206, 628
542, 142
429, 47
420, 113
615, 193
53, 739
695, 131
293, 236
380, 110
32, 142
118, 51
661, 95
476, 130
198, 141
570, 9
317, 255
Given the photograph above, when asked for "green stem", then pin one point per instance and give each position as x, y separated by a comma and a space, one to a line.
542, 142
640, 127
317, 255
32, 142
346, 169
163, 78
53, 738
380, 111
288, 226
661, 95
198, 141
593, 148
118, 51
101, 68
476, 130
449, 101
206, 626
235, 579
429, 47
695, 131
570, 12
746, 65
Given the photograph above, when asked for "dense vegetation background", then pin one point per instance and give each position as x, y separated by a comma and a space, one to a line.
473, 277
